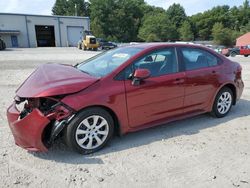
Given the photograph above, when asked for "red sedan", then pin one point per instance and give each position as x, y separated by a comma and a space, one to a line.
120, 91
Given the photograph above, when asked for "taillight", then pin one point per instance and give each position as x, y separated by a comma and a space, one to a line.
238, 72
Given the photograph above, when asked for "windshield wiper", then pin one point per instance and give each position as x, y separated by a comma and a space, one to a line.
85, 72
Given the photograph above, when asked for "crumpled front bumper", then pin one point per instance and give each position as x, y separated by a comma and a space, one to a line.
28, 131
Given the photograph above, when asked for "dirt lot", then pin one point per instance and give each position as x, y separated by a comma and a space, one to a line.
197, 152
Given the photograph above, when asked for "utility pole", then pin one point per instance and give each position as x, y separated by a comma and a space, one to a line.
75, 9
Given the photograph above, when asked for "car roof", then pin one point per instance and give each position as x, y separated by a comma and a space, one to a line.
157, 44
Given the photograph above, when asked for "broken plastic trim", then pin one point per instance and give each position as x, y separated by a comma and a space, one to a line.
51, 107
58, 126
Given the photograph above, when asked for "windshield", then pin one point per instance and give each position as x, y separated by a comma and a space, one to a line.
104, 63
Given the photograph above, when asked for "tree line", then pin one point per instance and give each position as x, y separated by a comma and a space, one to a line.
135, 20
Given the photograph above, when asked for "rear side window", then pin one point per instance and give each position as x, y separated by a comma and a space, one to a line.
197, 58
212, 60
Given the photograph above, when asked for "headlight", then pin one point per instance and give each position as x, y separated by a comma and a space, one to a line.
21, 105
27, 104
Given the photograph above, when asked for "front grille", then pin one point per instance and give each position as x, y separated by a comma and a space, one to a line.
92, 40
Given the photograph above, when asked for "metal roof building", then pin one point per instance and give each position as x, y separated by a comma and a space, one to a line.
25, 30
243, 40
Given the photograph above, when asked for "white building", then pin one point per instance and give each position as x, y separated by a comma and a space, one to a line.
23, 30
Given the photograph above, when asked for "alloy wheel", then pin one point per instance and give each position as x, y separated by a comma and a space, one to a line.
224, 102
92, 132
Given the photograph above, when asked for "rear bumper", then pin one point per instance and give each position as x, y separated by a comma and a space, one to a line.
28, 131
240, 87
109, 47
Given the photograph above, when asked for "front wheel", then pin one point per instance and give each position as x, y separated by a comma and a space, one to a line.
246, 55
79, 46
90, 130
223, 102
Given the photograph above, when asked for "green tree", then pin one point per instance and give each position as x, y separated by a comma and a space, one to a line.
71, 8
222, 35
186, 32
157, 27
176, 14
117, 20
218, 32
203, 22
60, 8
148, 9
245, 29
244, 13
133, 20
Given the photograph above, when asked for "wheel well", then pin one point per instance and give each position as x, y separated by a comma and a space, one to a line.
233, 89
113, 115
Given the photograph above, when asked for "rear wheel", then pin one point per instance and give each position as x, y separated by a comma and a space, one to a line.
246, 55
90, 130
223, 102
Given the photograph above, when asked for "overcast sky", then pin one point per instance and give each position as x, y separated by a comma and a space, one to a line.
44, 6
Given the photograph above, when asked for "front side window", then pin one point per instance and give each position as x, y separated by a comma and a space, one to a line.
197, 58
103, 64
159, 63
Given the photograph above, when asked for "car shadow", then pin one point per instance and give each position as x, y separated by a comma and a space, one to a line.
60, 153
12, 49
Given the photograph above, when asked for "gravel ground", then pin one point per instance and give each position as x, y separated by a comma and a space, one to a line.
196, 152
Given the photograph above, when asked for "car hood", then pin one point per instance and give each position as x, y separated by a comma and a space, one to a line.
55, 79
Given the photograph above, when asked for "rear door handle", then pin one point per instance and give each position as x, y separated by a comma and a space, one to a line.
214, 72
179, 81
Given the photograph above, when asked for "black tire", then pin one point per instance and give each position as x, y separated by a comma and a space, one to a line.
233, 54
76, 124
215, 112
246, 55
79, 46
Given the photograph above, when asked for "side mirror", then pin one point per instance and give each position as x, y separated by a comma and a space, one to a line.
139, 75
